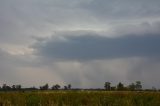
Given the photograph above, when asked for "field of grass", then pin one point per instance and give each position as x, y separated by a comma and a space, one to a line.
79, 98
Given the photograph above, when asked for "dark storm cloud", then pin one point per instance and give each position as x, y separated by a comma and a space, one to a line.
88, 47
128, 23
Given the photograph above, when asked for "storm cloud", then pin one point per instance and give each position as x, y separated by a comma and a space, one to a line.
94, 47
82, 42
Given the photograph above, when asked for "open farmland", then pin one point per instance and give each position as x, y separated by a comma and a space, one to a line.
80, 98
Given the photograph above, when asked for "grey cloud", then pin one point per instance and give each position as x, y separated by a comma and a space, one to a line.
23, 70
7, 67
94, 73
123, 9
146, 70
144, 28
20, 20
92, 47
84, 74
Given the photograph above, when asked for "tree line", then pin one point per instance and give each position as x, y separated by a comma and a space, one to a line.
120, 86
6, 87
136, 86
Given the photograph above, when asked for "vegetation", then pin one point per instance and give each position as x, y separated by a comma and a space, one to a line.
80, 98
119, 95
107, 86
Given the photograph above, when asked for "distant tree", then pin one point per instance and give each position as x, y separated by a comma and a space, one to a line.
44, 87
65, 87
53, 87
132, 87
18, 87
13, 87
138, 85
120, 86
69, 86
113, 88
31, 88
5, 87
154, 88
107, 85
56, 87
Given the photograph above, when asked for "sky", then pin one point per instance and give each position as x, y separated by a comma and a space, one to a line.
79, 42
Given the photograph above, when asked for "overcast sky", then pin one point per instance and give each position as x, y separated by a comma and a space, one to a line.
81, 42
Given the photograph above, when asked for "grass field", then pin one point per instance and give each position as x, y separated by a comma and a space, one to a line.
79, 98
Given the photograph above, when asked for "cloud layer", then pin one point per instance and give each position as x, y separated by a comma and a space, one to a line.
87, 47
82, 42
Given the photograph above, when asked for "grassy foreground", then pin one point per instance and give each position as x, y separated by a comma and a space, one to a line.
79, 98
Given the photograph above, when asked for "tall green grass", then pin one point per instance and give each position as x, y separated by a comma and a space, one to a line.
79, 98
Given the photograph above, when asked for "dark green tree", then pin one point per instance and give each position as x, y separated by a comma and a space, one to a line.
107, 85
120, 86
132, 87
69, 86
13, 87
56, 87
18, 87
44, 87
138, 85
5, 87
65, 87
